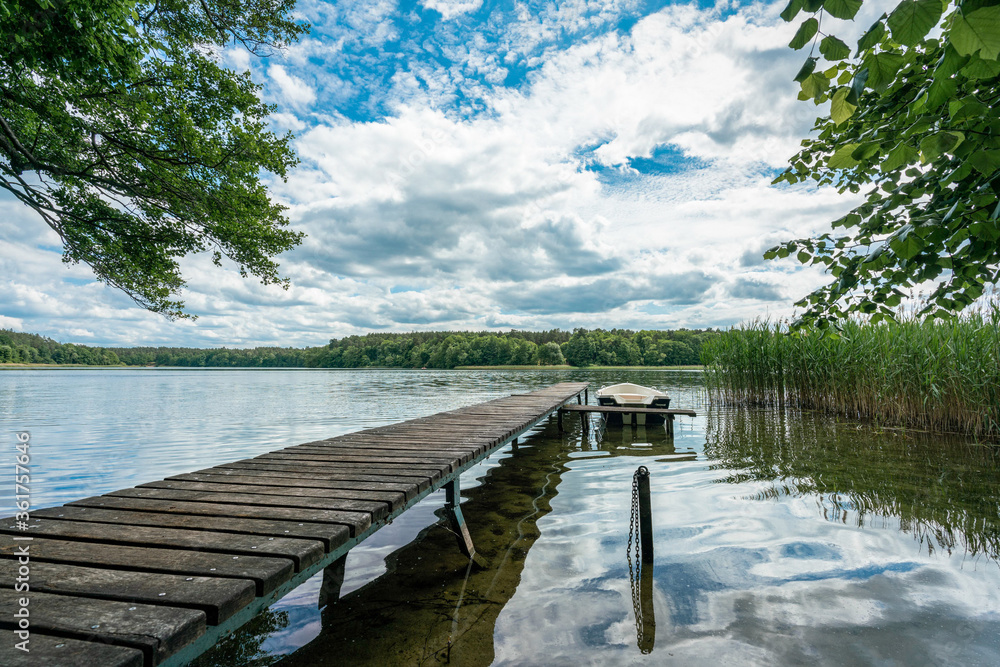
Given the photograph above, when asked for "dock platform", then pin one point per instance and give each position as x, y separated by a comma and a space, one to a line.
584, 410
159, 573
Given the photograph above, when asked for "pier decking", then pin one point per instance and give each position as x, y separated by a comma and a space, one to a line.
157, 574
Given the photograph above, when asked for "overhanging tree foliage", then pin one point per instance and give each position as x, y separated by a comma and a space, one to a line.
913, 122
119, 126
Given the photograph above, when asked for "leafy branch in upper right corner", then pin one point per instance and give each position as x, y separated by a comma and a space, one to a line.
913, 122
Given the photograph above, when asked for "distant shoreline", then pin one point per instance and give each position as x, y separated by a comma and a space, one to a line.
18, 365
562, 367
566, 367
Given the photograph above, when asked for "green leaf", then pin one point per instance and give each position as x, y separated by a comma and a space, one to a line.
919, 127
813, 86
866, 150
803, 256
968, 107
791, 10
913, 19
857, 87
807, 68
849, 220
841, 158
985, 162
842, 9
949, 63
977, 68
812, 5
873, 36
833, 49
939, 92
938, 144
805, 33
906, 245
900, 156
978, 31
882, 68
840, 108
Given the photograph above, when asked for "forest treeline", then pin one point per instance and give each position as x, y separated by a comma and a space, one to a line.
438, 349
27, 348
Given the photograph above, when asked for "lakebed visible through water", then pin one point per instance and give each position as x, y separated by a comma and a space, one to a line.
782, 538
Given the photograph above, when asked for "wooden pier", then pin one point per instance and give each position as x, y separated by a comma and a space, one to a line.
159, 573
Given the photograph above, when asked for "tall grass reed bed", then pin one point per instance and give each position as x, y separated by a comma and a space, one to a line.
934, 375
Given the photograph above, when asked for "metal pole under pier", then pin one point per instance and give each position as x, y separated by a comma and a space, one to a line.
645, 516
461, 529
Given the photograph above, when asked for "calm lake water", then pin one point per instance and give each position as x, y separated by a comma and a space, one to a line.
782, 538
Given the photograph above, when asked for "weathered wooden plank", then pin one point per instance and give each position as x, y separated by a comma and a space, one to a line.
474, 422
406, 490
375, 451
367, 455
449, 435
451, 441
485, 429
450, 431
266, 573
446, 464
49, 651
434, 445
440, 422
329, 534
357, 522
380, 445
394, 500
293, 477
158, 632
375, 510
322, 471
375, 468
218, 597
302, 552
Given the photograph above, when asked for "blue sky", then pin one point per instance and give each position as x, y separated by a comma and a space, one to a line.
485, 165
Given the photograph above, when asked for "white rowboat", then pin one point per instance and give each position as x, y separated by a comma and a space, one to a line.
628, 395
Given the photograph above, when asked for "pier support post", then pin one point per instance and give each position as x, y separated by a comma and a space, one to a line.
559, 419
458, 525
333, 580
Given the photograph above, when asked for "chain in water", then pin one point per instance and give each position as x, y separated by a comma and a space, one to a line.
634, 574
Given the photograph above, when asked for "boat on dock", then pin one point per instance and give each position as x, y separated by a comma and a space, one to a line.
628, 395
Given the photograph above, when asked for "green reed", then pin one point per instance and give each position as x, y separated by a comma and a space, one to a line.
921, 373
